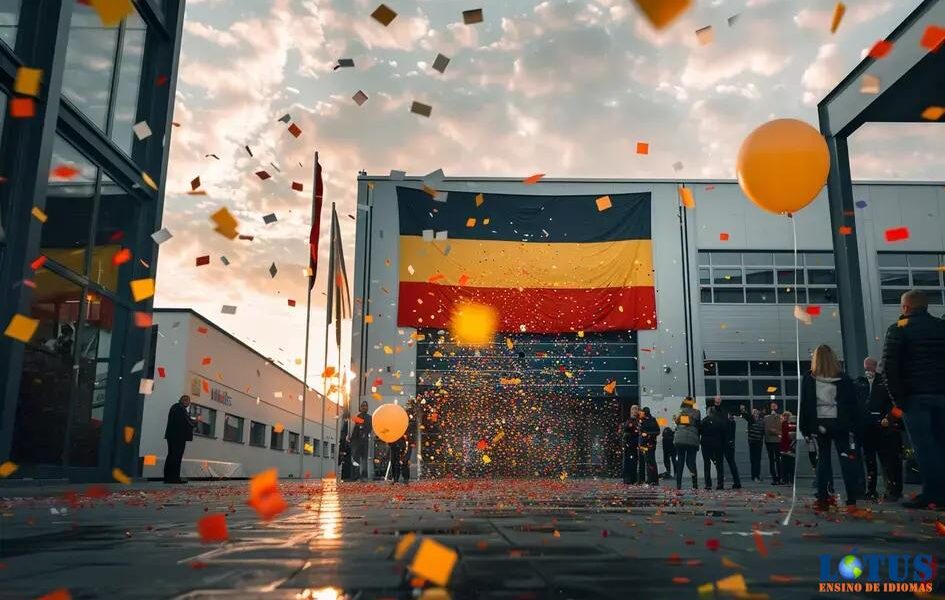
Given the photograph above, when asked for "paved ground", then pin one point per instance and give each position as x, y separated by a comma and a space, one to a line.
516, 539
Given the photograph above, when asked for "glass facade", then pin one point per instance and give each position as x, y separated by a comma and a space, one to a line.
759, 277
257, 434
901, 272
754, 384
233, 428
73, 198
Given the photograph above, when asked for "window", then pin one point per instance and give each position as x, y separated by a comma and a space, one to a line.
333, 451
315, 447
751, 277
257, 434
276, 440
9, 18
753, 383
325, 449
307, 447
901, 272
94, 62
70, 203
206, 419
233, 428
293, 442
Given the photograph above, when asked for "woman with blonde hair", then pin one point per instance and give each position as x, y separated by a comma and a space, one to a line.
828, 413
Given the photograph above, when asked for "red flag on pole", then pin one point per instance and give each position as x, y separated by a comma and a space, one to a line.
316, 222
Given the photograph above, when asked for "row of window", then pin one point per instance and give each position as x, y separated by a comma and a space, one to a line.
234, 431
901, 272
752, 380
767, 278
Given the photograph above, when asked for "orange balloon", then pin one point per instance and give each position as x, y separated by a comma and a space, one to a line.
783, 165
390, 422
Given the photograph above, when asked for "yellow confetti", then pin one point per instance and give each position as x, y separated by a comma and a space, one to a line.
486, 459
21, 328
838, 11
434, 562
39, 215
111, 12
119, 476
403, 545
129, 434
479, 200
388, 350
603, 203
141, 289
902, 322
148, 181
27, 81
8, 468
686, 197
368, 319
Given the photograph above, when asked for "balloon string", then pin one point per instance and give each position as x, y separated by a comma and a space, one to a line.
797, 355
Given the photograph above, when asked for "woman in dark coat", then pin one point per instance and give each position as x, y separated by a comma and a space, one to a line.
630, 436
828, 412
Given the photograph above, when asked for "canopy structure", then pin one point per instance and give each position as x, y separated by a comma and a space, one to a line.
898, 88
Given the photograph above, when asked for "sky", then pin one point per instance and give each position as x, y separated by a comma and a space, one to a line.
565, 88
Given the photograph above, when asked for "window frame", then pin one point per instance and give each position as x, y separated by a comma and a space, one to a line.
242, 428
212, 422
264, 443
740, 265
889, 294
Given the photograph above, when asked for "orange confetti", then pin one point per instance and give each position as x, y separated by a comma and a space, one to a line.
933, 38
780, 579
64, 172
880, 49
8, 468
212, 528
59, 594
129, 434
206, 360
22, 108
121, 257
150, 460
940, 527
730, 564
533, 179
838, 11
760, 544
434, 562
845, 230
723, 237
681, 580
278, 428
896, 412
603, 203
611, 387
119, 476
686, 197
328, 372
143, 319
661, 13
643, 148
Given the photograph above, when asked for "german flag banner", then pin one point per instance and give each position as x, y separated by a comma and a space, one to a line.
547, 264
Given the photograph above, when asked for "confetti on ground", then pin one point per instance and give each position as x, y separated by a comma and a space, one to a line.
119, 476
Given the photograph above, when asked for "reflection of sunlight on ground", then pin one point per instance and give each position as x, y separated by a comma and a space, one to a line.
329, 513
328, 593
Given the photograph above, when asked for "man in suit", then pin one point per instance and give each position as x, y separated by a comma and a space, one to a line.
361, 441
179, 431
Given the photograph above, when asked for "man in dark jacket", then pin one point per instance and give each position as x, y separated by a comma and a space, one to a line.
360, 441
713, 443
756, 439
914, 363
728, 451
649, 434
344, 449
179, 431
772, 428
669, 453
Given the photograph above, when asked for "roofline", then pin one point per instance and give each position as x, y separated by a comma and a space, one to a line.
858, 70
419, 178
240, 342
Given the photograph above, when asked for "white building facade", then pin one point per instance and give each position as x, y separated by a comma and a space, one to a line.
248, 410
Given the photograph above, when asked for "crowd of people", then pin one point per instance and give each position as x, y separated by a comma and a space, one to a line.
863, 420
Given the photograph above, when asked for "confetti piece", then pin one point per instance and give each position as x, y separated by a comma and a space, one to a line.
150, 460
330, 372
896, 412
141, 130
27, 81
643, 148
940, 527
38, 263
440, 63
870, 84
111, 12
202, 260
813, 310
273, 270
295, 130
603, 203
121, 257
686, 197
611, 387
39, 215
57, 594
681, 580
263, 175
661, 13
212, 528
148, 181
533, 179
129, 434
278, 428
202, 329
838, 11
771, 389
22, 108
479, 200
161, 236
119, 476
760, 544
933, 113
270, 218
368, 319
359, 98
880, 49
419, 108
712, 544
730, 564
724, 237
344, 63
64, 172
21, 328
705, 35
933, 38
473, 16
473, 324
296, 186
228, 309
780, 579
141, 289
206, 360
897, 234
8, 468
161, 372
486, 459
845, 230
403, 545
902, 322
226, 223
383, 15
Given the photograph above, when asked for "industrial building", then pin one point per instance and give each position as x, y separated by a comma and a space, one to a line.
726, 291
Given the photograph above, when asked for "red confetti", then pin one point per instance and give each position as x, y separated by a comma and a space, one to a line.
206, 360
212, 528
203, 260
643, 148
482, 444
295, 130
22, 108
64, 172
121, 257
201, 329
897, 234
116, 236
845, 230
604, 533
880, 49
940, 527
59, 594
162, 373
197, 565
813, 310
143, 319
38, 263
681, 580
933, 38
161, 80
533, 179
291, 302
263, 175
297, 186
712, 544
723, 237
760, 544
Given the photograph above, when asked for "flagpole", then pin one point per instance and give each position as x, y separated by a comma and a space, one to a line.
312, 258
330, 271
308, 318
